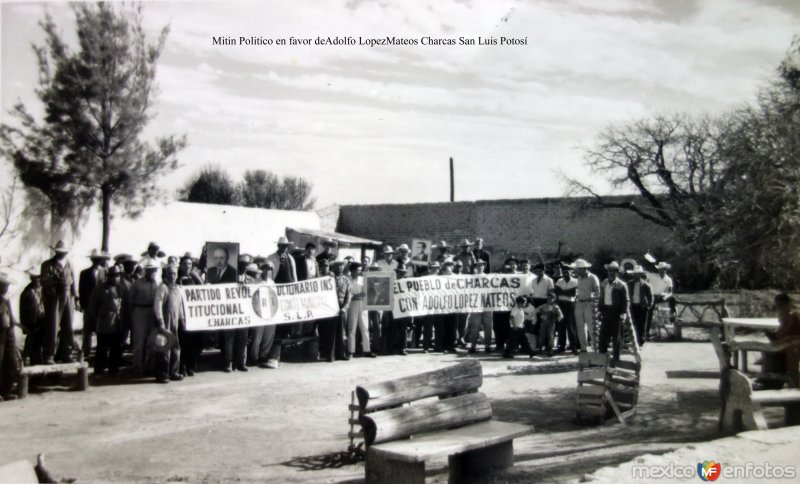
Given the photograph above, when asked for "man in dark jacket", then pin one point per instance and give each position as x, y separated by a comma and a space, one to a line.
481, 254
613, 309
90, 278
641, 301
104, 310
331, 330
31, 315
59, 296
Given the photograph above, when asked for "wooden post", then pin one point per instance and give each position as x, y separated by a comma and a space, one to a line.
83, 378
22, 386
452, 182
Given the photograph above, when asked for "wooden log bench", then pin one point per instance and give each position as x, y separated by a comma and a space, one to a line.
743, 406
428, 417
23, 471
81, 368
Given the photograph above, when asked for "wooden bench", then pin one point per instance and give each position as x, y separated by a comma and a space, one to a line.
23, 471
705, 315
79, 367
743, 405
403, 427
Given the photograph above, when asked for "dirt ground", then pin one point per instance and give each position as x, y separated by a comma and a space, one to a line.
290, 424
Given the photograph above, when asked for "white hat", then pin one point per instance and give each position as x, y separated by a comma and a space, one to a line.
663, 265
580, 264
388, 250
613, 266
403, 247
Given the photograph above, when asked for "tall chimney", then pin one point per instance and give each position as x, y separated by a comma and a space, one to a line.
452, 182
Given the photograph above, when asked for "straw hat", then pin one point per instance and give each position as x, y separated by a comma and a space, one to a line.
60, 247
163, 341
580, 264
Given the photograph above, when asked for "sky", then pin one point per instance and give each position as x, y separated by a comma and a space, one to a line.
378, 124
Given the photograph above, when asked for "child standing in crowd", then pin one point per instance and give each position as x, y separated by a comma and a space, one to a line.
547, 315
517, 320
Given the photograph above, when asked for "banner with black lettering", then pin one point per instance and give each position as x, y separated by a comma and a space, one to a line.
227, 306
418, 296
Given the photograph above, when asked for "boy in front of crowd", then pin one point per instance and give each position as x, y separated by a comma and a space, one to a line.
548, 314
521, 315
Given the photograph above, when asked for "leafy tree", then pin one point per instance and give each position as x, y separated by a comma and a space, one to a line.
211, 184
263, 189
759, 224
97, 102
258, 188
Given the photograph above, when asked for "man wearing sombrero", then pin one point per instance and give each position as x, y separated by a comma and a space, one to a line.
152, 254
586, 295
141, 298
614, 305
662, 286
388, 263
59, 296
31, 316
88, 279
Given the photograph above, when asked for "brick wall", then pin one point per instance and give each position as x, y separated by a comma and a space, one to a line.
521, 227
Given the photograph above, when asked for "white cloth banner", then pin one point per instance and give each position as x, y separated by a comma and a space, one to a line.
229, 306
418, 296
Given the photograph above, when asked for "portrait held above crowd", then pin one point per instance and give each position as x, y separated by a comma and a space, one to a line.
158, 314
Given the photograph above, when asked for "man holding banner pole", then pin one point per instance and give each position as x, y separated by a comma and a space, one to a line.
331, 337
285, 271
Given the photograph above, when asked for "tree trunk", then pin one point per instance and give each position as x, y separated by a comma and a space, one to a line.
106, 218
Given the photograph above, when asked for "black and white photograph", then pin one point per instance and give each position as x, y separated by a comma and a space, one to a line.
379, 290
504, 241
222, 262
420, 251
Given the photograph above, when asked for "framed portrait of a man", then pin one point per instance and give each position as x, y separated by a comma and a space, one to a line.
222, 262
420, 252
379, 288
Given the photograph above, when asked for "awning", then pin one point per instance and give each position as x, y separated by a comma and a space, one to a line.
295, 234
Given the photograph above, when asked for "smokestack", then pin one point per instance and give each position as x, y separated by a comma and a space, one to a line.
452, 182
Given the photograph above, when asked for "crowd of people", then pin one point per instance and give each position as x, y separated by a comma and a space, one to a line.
134, 304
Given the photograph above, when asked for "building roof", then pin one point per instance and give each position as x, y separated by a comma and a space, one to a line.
338, 237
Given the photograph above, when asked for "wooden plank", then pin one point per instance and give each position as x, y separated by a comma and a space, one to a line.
592, 374
354, 408
615, 408
776, 397
592, 359
590, 390
401, 422
629, 365
444, 443
457, 378
57, 368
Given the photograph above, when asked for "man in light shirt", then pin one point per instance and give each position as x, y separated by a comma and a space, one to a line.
356, 314
662, 287
388, 263
586, 294
566, 292
540, 284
